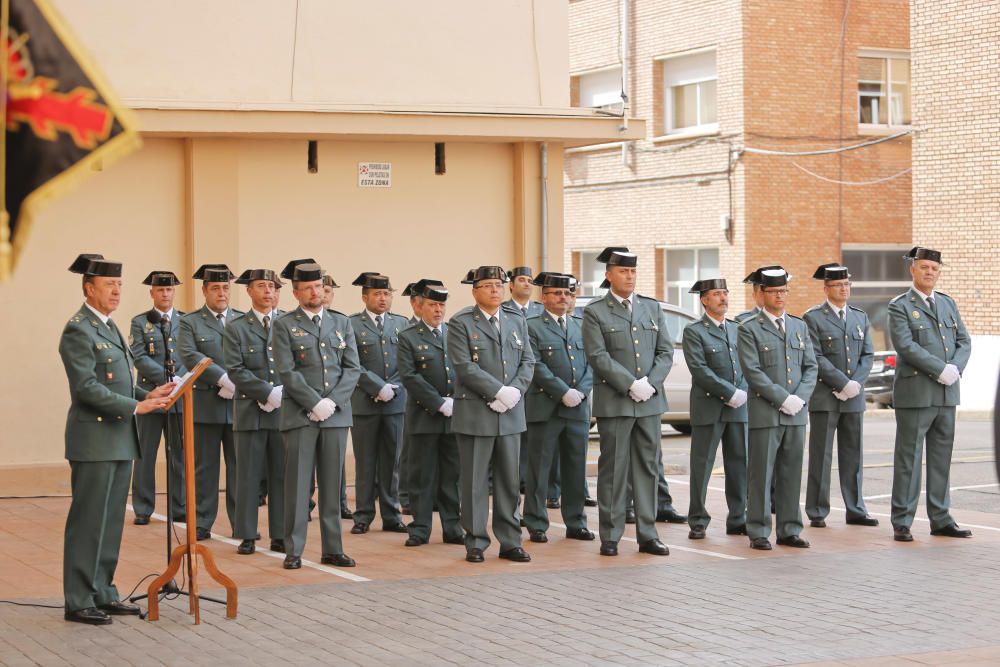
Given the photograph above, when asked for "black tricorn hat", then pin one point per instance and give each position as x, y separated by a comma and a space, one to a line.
214, 273
161, 279
775, 277
485, 273
434, 291
709, 284
289, 269
251, 275
328, 281
417, 288
520, 271
408, 290
104, 268
754, 277
618, 256
307, 272
574, 282
831, 271
917, 252
82, 261
373, 280
540, 278
558, 281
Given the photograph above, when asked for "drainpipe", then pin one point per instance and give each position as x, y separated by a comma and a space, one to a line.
545, 206
623, 58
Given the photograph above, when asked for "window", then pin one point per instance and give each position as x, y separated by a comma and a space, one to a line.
883, 89
683, 266
590, 271
877, 275
689, 93
601, 89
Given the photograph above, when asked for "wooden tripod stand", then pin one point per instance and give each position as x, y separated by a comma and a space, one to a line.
190, 548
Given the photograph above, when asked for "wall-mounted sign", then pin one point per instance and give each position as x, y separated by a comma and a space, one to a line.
374, 174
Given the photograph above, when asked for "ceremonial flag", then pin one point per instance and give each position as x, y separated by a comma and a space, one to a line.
59, 118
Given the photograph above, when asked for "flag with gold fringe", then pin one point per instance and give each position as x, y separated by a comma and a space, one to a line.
60, 118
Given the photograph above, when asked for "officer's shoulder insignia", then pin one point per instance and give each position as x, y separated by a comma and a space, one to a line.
898, 297
816, 307
236, 317
793, 317
510, 308
336, 312
576, 317
857, 310
237, 312
936, 293
536, 316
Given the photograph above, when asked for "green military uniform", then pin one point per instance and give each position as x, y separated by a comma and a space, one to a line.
404, 453
201, 334
744, 316
377, 434
776, 364
314, 361
844, 352
926, 338
488, 356
101, 443
149, 351
556, 431
532, 309
433, 467
716, 378
260, 453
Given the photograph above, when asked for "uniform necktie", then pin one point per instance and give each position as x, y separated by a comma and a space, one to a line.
436, 332
628, 306
780, 323
524, 310
267, 322
315, 319
115, 331
562, 323
930, 304
166, 321
723, 327
221, 318
378, 323
495, 322
840, 314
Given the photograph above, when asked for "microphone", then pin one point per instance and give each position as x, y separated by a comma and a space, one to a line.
154, 317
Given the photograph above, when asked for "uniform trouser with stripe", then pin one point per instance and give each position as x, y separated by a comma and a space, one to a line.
311, 450
630, 452
776, 451
93, 533
377, 440
259, 455
551, 441
434, 475
847, 426
705, 441
208, 439
478, 456
914, 426
151, 428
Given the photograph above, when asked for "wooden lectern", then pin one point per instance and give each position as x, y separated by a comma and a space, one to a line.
191, 548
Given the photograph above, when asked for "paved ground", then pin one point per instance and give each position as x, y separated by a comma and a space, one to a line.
855, 597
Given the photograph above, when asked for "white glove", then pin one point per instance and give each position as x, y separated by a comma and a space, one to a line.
851, 389
386, 393
509, 396
274, 399
498, 406
792, 405
226, 393
226, 387
841, 396
324, 409
313, 417
738, 399
447, 407
641, 390
265, 407
572, 398
949, 375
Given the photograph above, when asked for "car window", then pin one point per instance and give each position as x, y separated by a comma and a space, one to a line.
676, 323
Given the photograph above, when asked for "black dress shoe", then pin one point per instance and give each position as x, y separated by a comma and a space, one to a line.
590, 502
340, 560
412, 541
817, 523
359, 529
292, 562
278, 545
397, 527
90, 616
952, 531
261, 501
246, 547
580, 534
761, 543
736, 530
517, 554
119, 608
458, 539
474, 556
180, 518
696, 533
537, 536
346, 513
141, 520
553, 503
655, 547
203, 534
863, 521
405, 509
671, 516
629, 516
793, 541
902, 534
609, 548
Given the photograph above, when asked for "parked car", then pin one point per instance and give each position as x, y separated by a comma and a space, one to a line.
678, 383
878, 387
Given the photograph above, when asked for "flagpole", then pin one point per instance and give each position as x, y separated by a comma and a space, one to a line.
6, 252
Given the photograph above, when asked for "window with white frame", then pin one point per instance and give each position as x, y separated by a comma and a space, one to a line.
681, 268
690, 87
601, 89
883, 89
878, 273
591, 272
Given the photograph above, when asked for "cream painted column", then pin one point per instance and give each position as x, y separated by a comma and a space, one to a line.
528, 206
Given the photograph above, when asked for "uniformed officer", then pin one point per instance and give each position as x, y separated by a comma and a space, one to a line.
318, 365
151, 353
489, 349
101, 442
378, 403
329, 284
200, 336
841, 339
780, 368
932, 349
758, 297
557, 411
260, 454
429, 380
718, 409
631, 352
554, 483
